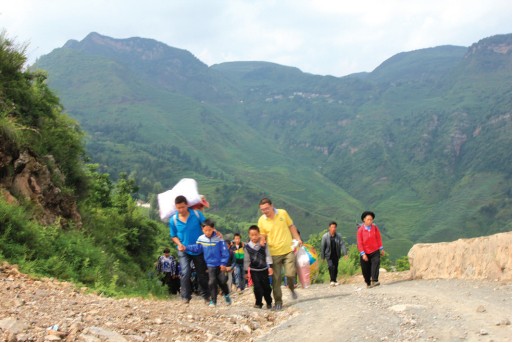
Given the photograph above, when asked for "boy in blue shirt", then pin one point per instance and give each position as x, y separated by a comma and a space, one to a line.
216, 257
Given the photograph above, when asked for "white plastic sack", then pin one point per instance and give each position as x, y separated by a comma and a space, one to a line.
303, 267
186, 187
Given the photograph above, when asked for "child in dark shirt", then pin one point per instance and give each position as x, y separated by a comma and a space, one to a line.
258, 261
168, 267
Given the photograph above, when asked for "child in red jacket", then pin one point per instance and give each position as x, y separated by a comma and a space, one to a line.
369, 243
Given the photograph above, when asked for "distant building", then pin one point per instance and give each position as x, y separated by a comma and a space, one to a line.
141, 203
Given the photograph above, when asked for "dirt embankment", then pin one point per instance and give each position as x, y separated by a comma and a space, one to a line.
481, 258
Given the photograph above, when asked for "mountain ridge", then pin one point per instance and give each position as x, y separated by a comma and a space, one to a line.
423, 123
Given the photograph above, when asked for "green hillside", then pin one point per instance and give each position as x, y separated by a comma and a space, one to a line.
424, 140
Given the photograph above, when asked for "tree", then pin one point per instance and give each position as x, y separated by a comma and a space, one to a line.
100, 187
123, 190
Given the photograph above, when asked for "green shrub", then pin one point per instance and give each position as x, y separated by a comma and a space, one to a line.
402, 264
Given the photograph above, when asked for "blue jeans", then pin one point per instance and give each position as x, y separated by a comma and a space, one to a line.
185, 277
238, 276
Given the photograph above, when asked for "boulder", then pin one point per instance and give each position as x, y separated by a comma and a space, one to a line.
13, 325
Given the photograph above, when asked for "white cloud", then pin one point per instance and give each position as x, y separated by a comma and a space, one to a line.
322, 36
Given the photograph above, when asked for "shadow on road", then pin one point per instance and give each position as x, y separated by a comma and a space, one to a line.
334, 296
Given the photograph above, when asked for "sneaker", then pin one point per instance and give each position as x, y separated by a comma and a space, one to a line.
258, 306
336, 283
212, 304
332, 283
294, 294
277, 307
269, 306
228, 299
369, 285
375, 283
185, 301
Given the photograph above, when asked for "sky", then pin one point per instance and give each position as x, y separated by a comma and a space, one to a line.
324, 37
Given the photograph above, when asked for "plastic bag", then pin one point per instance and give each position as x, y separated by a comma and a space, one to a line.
303, 267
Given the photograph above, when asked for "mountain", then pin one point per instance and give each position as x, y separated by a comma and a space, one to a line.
424, 140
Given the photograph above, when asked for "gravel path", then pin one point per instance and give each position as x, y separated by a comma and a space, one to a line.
436, 310
419, 310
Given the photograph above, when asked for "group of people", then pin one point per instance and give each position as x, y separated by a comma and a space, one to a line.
268, 253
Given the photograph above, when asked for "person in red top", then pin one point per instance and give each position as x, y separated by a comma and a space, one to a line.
369, 244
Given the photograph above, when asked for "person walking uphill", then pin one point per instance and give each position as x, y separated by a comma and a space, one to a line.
167, 266
332, 249
238, 267
369, 244
185, 228
259, 262
278, 229
216, 256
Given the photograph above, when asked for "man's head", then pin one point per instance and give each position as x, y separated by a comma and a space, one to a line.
181, 205
166, 251
208, 227
236, 238
254, 233
332, 228
266, 206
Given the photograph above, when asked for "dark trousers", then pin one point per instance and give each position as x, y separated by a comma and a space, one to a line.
217, 278
172, 282
185, 278
370, 268
333, 269
261, 287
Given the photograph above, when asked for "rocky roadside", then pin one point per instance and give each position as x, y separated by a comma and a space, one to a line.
49, 310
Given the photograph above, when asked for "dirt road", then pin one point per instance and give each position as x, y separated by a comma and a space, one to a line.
420, 310
445, 310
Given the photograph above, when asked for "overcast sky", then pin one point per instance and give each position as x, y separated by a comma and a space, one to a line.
336, 37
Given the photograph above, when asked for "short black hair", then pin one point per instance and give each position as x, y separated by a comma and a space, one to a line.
368, 213
208, 222
254, 227
236, 234
166, 250
265, 201
333, 223
227, 241
180, 200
